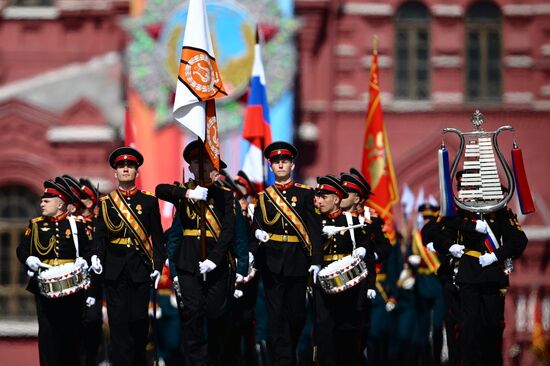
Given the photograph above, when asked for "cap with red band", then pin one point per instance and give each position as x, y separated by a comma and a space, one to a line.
331, 185
125, 154
280, 149
51, 189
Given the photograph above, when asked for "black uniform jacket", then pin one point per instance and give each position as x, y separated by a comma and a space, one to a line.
188, 254
288, 258
342, 244
507, 231
111, 238
50, 238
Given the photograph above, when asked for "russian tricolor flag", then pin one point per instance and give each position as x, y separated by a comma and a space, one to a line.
256, 126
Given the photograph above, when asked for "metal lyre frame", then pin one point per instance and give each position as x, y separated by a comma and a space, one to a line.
483, 206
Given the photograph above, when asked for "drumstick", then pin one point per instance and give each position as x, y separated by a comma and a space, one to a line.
344, 228
44, 265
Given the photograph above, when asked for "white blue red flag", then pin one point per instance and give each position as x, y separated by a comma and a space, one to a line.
256, 126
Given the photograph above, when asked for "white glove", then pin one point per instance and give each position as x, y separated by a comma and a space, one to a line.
456, 250
481, 226
371, 294
33, 263
90, 301
81, 262
261, 235
431, 248
487, 259
238, 294
250, 258
155, 277
30, 273
96, 265
331, 230
199, 193
314, 270
359, 252
206, 266
414, 260
390, 306
239, 279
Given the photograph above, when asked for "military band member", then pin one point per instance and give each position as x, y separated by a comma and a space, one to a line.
290, 235
340, 317
128, 235
202, 299
51, 240
481, 277
92, 315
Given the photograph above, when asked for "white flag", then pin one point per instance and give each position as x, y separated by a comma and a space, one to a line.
198, 77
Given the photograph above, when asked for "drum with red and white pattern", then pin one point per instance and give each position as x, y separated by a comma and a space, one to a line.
342, 274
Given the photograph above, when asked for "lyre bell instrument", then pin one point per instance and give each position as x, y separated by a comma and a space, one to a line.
480, 188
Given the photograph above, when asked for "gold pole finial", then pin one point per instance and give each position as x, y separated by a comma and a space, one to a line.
375, 43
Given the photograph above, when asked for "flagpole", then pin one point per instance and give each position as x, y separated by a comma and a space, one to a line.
202, 204
264, 167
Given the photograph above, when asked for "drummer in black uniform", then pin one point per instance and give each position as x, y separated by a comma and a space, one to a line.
50, 240
128, 235
290, 234
339, 316
205, 282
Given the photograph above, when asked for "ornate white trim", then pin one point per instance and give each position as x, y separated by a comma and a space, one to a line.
545, 90
345, 90
518, 61
30, 12
448, 97
518, 97
444, 10
345, 50
447, 61
368, 9
80, 134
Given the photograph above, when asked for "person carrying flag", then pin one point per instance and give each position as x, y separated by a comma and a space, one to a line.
204, 283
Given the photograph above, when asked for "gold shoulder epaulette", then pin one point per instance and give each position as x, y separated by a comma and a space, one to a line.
37, 219
300, 185
148, 193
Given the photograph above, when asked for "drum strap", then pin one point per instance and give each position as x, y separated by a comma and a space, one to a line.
74, 230
349, 219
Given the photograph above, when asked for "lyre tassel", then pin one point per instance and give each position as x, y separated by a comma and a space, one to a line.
445, 189
522, 186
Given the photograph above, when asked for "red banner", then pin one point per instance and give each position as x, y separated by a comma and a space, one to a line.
377, 164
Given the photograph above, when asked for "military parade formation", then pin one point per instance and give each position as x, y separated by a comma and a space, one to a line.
315, 262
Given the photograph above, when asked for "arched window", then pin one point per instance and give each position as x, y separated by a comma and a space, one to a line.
412, 51
483, 53
17, 206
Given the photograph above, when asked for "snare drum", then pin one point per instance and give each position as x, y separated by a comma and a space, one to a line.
342, 274
63, 280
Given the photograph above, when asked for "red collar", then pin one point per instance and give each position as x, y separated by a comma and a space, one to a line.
358, 212
59, 217
284, 186
131, 192
334, 214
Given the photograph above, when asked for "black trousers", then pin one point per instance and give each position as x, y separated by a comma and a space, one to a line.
59, 329
204, 300
92, 324
339, 324
241, 345
286, 314
482, 324
452, 322
127, 308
